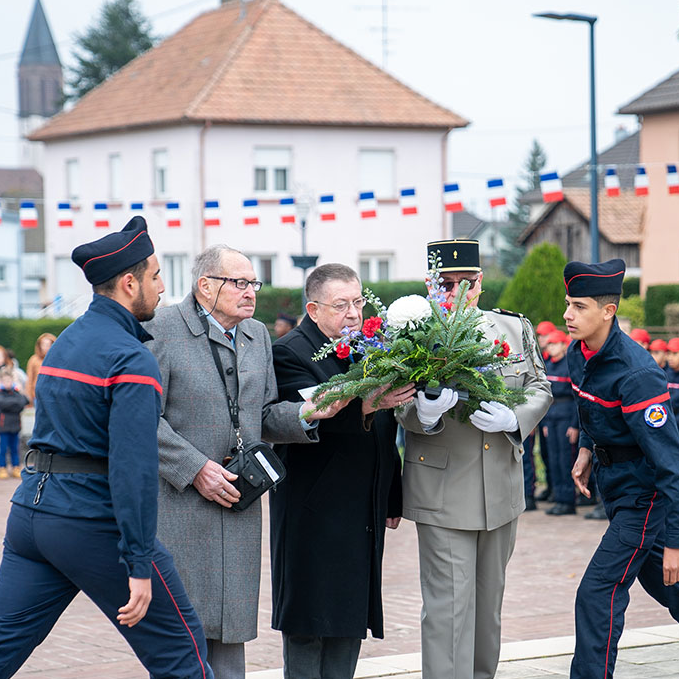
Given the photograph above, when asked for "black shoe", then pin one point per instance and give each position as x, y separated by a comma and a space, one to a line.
561, 509
584, 501
597, 513
530, 504
543, 495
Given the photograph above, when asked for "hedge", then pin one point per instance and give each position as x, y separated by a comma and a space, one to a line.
631, 286
632, 307
20, 334
657, 296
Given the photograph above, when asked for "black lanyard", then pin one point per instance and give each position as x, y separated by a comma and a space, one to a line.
232, 403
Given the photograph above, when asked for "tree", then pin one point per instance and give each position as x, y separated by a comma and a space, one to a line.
519, 216
120, 34
537, 290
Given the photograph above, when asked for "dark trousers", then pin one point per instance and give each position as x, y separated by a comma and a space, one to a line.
9, 441
319, 657
561, 460
47, 559
528, 466
631, 548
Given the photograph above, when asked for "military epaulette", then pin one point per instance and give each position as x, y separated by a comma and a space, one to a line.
508, 313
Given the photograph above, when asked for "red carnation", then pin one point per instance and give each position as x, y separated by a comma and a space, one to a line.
371, 326
447, 306
504, 349
342, 350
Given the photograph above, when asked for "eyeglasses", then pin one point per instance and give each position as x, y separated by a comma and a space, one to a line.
343, 305
240, 283
449, 286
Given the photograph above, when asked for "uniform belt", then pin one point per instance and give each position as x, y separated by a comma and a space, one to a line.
54, 463
608, 455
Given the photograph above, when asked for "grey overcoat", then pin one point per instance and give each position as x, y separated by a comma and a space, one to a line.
216, 550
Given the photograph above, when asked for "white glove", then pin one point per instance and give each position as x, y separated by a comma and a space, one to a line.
494, 417
429, 411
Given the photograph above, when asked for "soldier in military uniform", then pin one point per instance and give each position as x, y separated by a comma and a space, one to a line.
84, 516
629, 438
463, 486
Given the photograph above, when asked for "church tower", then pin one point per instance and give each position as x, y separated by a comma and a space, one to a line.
40, 84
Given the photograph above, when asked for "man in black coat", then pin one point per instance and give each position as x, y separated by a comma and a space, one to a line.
328, 516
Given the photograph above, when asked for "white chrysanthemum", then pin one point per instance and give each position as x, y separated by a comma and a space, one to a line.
408, 312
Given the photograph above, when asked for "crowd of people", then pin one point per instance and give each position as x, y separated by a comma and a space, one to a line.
126, 494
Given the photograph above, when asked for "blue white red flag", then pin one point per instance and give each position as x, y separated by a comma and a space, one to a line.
64, 215
136, 207
611, 182
287, 210
211, 213
641, 181
28, 215
551, 187
367, 205
672, 179
251, 212
496, 192
174, 216
408, 202
451, 198
101, 215
326, 207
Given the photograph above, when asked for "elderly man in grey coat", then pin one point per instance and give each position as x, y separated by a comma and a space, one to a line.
216, 550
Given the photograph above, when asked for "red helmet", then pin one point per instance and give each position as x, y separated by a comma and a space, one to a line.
545, 327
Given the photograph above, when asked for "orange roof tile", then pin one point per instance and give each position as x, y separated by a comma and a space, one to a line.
271, 67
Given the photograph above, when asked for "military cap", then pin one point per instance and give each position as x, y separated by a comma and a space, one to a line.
545, 328
673, 345
456, 255
640, 335
106, 257
593, 280
658, 345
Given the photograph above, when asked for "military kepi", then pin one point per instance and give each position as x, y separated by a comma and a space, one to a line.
593, 280
105, 258
456, 255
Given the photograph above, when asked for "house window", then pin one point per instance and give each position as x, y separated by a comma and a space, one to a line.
175, 275
272, 169
376, 172
115, 192
374, 267
73, 180
263, 266
160, 171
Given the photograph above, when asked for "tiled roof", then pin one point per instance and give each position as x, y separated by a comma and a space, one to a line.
661, 97
621, 218
22, 183
270, 67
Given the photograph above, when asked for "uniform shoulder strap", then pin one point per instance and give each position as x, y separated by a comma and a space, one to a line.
505, 312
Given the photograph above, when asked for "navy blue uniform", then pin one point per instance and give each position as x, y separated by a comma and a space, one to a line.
622, 400
561, 415
98, 394
673, 386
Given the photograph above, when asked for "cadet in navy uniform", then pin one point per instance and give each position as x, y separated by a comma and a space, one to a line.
629, 438
84, 516
560, 425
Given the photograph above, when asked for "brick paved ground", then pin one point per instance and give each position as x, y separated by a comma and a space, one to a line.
550, 556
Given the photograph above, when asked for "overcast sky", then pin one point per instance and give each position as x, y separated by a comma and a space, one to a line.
513, 76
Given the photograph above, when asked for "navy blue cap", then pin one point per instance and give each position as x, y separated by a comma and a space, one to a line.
103, 259
592, 280
456, 255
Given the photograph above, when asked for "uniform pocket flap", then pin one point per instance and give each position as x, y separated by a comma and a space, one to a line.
428, 455
638, 539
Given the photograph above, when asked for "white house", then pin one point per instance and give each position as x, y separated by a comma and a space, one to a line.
262, 106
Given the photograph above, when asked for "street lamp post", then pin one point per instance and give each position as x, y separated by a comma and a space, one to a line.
303, 261
593, 171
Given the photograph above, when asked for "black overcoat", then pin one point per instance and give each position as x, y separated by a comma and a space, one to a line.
328, 515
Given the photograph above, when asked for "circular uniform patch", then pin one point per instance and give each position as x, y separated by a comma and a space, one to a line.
655, 415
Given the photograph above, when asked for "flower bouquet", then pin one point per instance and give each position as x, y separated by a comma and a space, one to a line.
424, 340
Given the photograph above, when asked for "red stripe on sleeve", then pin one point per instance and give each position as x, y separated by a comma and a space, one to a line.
100, 381
644, 404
